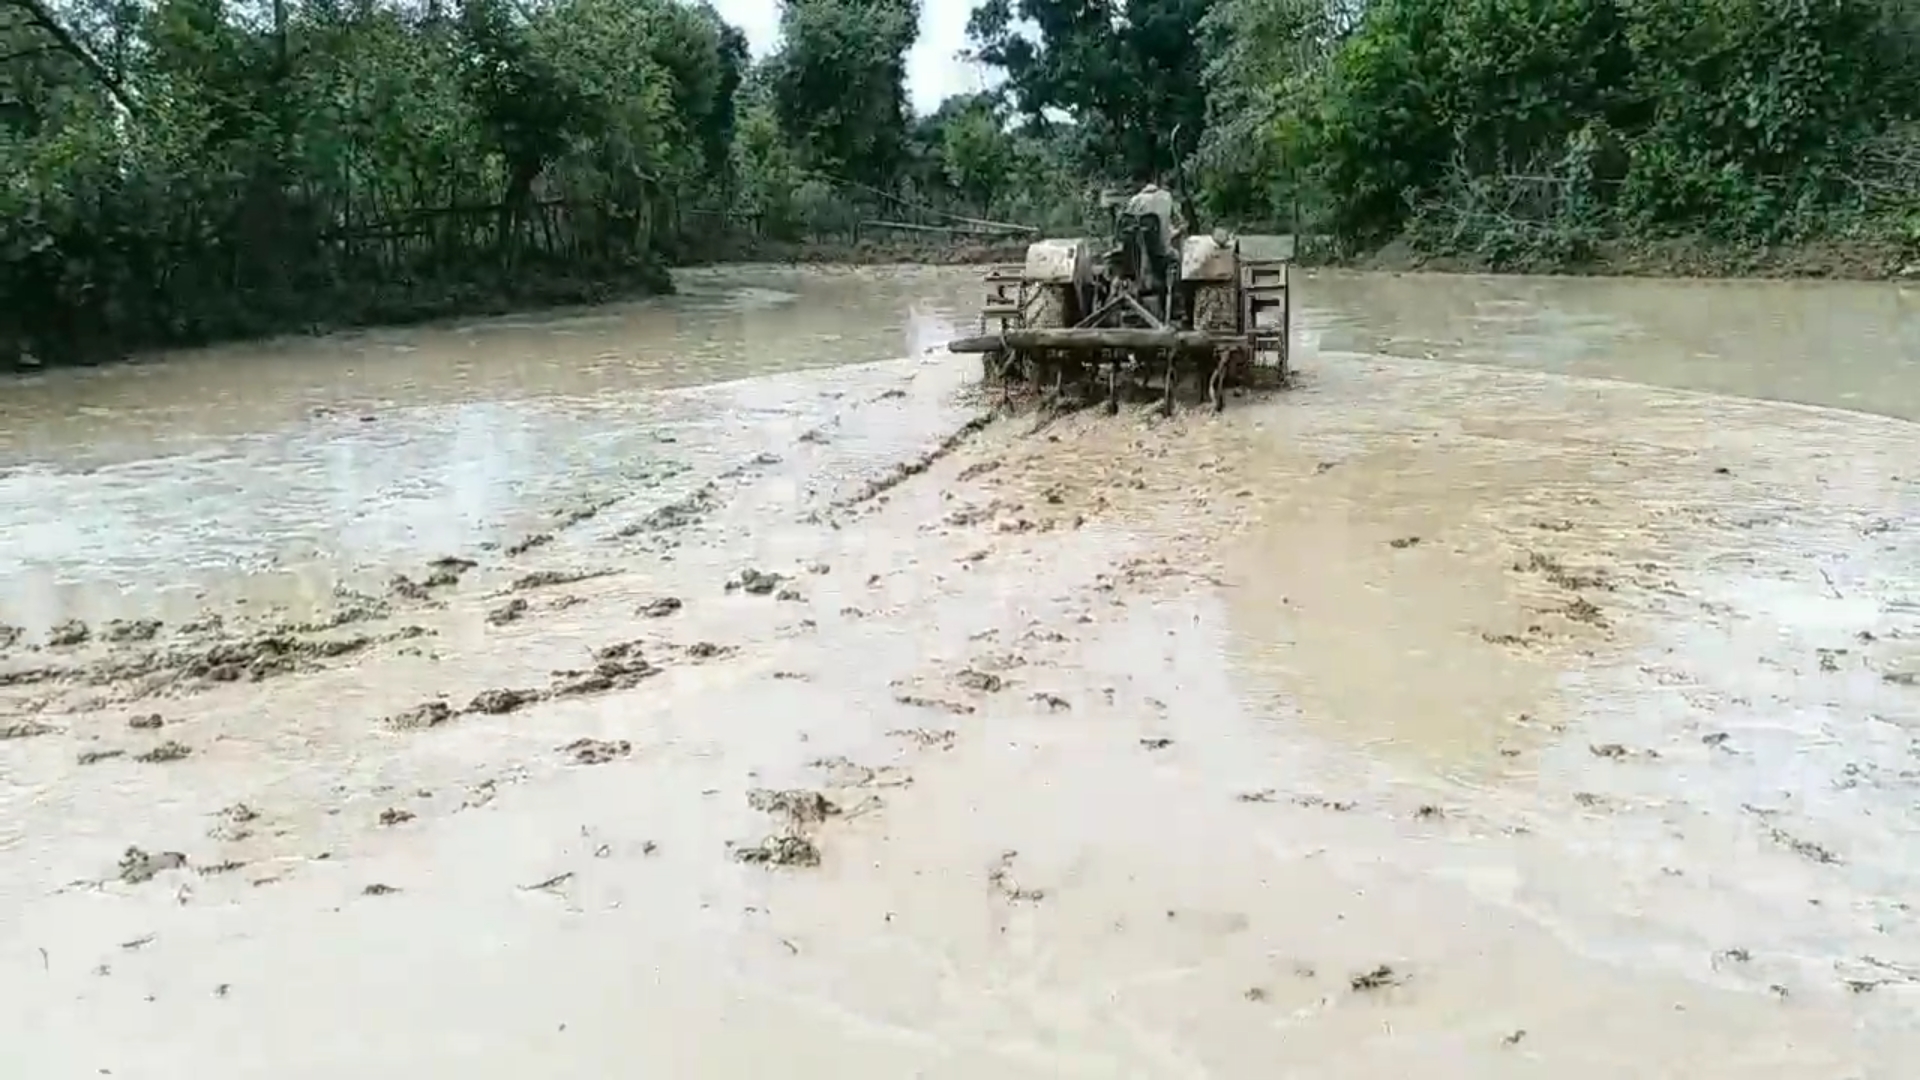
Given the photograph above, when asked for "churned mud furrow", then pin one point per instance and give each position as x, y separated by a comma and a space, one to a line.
1421, 720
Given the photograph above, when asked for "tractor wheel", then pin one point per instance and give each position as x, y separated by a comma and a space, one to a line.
1047, 310
1216, 310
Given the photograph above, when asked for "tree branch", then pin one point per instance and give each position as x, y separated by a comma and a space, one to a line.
40, 15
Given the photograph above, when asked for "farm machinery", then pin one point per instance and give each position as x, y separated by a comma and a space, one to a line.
1149, 304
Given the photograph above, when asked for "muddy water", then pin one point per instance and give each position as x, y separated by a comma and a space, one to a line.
1432, 718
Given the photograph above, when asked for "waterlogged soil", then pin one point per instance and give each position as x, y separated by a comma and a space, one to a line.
1427, 719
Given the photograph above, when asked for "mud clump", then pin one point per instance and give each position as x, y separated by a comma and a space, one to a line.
95, 757
1554, 571
929, 738
447, 570
660, 608
920, 702
1000, 878
1806, 849
251, 660
1617, 752
546, 579
149, 722
762, 460
677, 514
502, 702
983, 682
32, 676
1377, 978
120, 631
596, 751
24, 729
521, 547
10, 636
755, 582
68, 634
707, 650
798, 807
625, 650
784, 850
790, 846
394, 815
1582, 610
231, 823
408, 589
168, 751
511, 611
611, 673
426, 715
137, 866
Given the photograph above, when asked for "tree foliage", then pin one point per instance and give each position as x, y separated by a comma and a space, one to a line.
175, 171
1128, 74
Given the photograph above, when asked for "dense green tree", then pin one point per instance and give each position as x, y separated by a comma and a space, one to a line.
1128, 73
840, 83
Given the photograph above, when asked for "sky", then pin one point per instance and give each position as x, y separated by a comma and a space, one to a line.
934, 70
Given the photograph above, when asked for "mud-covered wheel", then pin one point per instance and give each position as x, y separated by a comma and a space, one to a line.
1216, 308
1046, 310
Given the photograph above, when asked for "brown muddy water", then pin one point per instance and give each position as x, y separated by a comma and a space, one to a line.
1494, 703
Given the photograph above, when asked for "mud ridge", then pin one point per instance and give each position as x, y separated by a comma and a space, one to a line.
615, 667
252, 659
907, 470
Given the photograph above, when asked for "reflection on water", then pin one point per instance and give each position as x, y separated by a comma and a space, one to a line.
1850, 345
324, 458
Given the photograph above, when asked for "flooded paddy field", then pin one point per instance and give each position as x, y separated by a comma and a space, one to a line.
674, 685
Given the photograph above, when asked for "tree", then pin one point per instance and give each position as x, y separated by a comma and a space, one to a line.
839, 84
1128, 73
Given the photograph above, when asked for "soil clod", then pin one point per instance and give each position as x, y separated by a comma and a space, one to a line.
660, 608
1377, 978
124, 630
502, 701
984, 682
171, 750
798, 807
1000, 878
546, 579
137, 866
424, 715
69, 633
511, 611
596, 751
782, 850
755, 582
